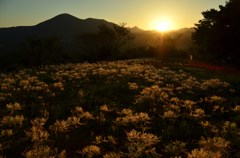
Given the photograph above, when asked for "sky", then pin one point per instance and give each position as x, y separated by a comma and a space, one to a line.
145, 14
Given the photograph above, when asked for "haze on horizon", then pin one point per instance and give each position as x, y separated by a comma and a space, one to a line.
145, 14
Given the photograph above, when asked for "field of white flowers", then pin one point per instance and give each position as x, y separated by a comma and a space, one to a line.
130, 108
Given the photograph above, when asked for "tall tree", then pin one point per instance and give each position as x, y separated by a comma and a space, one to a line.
218, 34
106, 43
42, 51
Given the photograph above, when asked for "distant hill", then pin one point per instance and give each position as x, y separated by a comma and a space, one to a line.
185, 41
63, 26
151, 38
66, 27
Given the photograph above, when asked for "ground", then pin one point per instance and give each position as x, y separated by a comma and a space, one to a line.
128, 108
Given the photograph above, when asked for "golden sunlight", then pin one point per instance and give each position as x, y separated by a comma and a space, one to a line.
162, 25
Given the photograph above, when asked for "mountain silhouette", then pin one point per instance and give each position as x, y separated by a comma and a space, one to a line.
67, 26
63, 26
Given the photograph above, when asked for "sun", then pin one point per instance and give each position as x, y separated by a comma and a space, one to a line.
162, 26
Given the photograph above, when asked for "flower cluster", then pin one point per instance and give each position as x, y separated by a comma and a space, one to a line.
126, 108
91, 150
140, 143
12, 120
132, 118
73, 121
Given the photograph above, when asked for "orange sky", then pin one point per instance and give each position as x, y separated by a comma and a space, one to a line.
145, 14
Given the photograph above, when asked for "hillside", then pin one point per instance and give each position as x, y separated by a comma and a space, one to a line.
65, 29
151, 38
64, 26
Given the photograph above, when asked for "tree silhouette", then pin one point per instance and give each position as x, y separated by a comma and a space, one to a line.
217, 35
42, 51
106, 43
167, 46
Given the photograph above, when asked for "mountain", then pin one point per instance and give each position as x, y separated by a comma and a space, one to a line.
185, 40
66, 28
63, 26
151, 38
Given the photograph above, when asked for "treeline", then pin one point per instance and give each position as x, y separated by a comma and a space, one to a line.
217, 35
108, 43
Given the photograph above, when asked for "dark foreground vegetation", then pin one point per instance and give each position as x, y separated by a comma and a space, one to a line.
217, 35
128, 108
